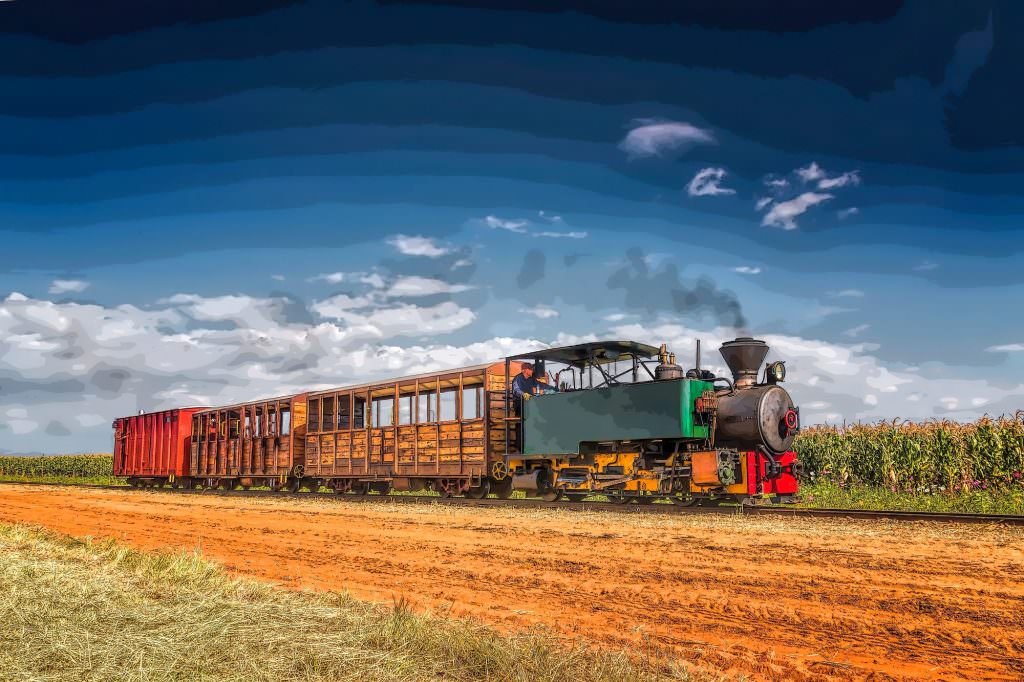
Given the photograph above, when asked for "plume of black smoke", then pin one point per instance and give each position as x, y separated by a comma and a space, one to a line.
664, 289
533, 269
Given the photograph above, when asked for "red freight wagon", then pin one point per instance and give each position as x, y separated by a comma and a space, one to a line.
152, 449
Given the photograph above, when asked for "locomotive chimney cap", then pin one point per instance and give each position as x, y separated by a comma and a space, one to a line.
744, 356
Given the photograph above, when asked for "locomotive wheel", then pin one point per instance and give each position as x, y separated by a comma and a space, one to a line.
575, 497
479, 492
684, 500
503, 488
551, 495
618, 499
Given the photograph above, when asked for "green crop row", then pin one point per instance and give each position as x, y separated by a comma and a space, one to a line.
926, 457
57, 466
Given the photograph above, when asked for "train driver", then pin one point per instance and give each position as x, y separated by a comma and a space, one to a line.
526, 385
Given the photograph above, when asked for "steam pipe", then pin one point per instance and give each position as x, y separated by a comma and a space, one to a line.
732, 389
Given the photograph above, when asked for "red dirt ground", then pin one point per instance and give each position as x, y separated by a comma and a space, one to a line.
772, 599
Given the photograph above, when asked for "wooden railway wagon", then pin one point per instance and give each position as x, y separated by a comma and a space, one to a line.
260, 443
149, 449
443, 430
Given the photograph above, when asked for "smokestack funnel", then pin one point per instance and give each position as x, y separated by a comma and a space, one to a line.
744, 357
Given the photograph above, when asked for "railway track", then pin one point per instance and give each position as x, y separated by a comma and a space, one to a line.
532, 503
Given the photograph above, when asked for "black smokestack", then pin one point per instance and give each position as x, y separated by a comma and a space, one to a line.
744, 357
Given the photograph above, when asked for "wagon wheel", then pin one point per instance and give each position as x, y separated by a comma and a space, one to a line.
294, 484
444, 487
479, 492
312, 484
360, 487
503, 488
381, 487
499, 470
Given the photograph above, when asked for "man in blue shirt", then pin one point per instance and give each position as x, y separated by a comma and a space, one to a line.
525, 384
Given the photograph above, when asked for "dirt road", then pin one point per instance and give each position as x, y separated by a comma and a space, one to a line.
798, 599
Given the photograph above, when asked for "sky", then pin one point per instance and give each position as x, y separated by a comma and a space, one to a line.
203, 203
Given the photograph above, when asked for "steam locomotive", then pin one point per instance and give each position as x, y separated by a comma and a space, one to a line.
627, 423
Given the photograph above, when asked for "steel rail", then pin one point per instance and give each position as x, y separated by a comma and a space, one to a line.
534, 503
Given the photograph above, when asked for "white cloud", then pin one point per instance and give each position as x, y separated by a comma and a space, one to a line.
329, 277
373, 279
418, 246
871, 399
68, 286
785, 213
851, 178
776, 183
540, 311
335, 306
762, 202
847, 293
424, 286
1006, 348
925, 266
651, 137
556, 219
810, 173
747, 270
496, 223
854, 332
615, 317
562, 235
522, 227
847, 212
461, 263
277, 278
707, 183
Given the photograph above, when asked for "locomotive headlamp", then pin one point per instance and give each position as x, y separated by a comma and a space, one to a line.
777, 372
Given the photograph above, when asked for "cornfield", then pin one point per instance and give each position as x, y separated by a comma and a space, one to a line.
57, 466
927, 457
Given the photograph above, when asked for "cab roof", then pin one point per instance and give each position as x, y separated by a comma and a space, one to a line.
597, 352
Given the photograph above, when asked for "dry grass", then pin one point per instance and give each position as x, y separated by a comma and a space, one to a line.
80, 610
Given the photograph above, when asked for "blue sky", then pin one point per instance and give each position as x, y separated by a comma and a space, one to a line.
203, 204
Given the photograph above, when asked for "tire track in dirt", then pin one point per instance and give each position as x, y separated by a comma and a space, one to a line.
799, 599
